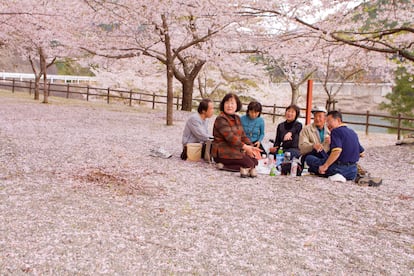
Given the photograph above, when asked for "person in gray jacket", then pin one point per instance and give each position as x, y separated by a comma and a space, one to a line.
196, 127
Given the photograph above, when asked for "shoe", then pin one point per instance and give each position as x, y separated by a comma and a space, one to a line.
361, 170
337, 178
369, 181
244, 172
253, 172
220, 166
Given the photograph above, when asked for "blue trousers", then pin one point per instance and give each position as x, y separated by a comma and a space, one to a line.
349, 171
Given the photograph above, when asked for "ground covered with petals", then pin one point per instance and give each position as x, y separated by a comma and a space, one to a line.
81, 194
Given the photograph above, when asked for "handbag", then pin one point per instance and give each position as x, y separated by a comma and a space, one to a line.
184, 153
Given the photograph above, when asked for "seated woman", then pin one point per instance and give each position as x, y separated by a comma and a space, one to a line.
287, 133
254, 125
231, 148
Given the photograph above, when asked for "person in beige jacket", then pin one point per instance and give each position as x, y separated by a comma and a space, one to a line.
315, 138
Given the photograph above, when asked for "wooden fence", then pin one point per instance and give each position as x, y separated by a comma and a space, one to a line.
141, 96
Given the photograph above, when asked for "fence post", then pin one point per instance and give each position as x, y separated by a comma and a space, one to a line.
274, 113
13, 86
153, 100
178, 102
30, 87
67, 91
367, 123
399, 126
107, 98
130, 97
87, 93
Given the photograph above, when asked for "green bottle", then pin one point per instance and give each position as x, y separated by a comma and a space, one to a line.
273, 171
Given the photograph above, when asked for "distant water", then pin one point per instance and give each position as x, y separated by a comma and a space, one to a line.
362, 119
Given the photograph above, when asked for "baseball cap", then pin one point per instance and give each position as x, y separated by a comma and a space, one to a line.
318, 109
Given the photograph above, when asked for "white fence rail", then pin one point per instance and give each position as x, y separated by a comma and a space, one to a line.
50, 78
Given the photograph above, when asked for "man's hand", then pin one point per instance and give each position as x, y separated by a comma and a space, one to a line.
327, 139
318, 147
323, 169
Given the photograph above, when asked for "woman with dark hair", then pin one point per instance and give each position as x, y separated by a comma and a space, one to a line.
287, 133
254, 125
232, 149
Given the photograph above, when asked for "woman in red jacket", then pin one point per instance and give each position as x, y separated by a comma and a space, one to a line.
231, 148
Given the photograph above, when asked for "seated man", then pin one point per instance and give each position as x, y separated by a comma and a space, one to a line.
345, 151
315, 138
196, 129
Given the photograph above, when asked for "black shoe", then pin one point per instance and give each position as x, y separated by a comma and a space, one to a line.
369, 181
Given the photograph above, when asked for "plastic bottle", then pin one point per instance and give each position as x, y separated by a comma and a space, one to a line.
294, 167
271, 161
279, 157
287, 157
272, 171
264, 160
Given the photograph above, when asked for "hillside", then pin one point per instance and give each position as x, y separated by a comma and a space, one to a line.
14, 63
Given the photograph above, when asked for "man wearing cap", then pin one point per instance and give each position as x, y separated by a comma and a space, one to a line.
344, 153
315, 138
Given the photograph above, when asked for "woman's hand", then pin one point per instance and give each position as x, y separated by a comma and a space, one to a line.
288, 136
252, 151
257, 144
273, 149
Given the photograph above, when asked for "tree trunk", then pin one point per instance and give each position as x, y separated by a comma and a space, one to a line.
188, 88
37, 78
38, 74
37, 87
295, 93
187, 79
330, 102
170, 72
42, 59
170, 94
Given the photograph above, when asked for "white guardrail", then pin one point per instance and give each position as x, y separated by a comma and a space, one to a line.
51, 78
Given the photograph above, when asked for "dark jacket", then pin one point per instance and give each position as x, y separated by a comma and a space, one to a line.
295, 127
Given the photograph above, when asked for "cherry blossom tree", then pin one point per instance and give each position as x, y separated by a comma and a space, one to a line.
383, 26
40, 31
192, 37
313, 30
176, 34
342, 64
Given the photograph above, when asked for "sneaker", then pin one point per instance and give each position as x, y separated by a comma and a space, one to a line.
253, 172
337, 178
244, 172
220, 166
369, 181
